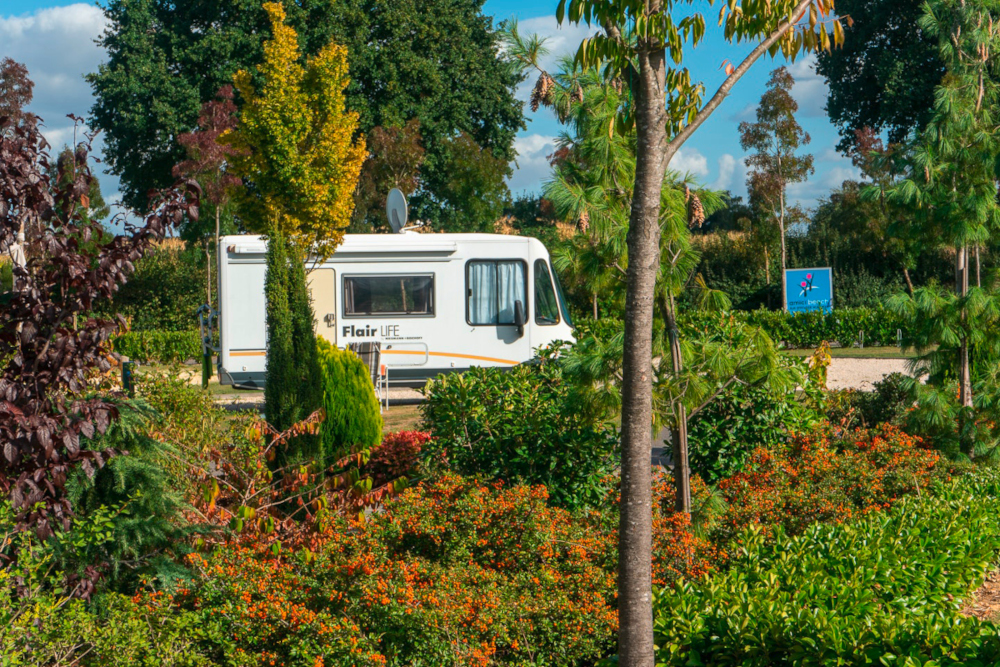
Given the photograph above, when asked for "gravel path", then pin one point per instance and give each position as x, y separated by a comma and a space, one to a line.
860, 374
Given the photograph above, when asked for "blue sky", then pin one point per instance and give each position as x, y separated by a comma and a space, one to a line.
55, 39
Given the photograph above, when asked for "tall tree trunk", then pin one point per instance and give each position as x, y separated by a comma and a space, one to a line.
635, 543
678, 431
767, 266
979, 276
964, 370
909, 283
784, 280
217, 212
208, 273
594, 299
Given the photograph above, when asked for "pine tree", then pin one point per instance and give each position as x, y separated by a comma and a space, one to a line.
951, 190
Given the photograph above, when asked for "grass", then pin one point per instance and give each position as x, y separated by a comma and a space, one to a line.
401, 418
859, 353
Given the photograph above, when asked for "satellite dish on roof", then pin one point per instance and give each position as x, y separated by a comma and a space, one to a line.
395, 210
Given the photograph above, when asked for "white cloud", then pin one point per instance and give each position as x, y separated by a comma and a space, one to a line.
732, 173
810, 91
531, 168
57, 46
690, 161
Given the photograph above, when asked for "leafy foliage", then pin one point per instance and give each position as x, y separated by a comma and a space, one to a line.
164, 292
520, 425
394, 158
166, 59
950, 186
885, 586
16, 93
741, 419
774, 164
353, 418
165, 347
147, 532
398, 456
47, 363
828, 475
889, 403
295, 145
884, 74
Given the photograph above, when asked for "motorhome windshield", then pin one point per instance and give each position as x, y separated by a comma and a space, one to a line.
562, 300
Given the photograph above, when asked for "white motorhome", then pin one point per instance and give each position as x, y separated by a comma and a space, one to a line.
437, 303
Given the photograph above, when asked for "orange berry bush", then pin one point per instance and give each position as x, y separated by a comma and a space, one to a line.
829, 475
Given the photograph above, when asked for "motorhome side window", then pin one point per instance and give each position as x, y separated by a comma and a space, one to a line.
389, 295
494, 286
546, 306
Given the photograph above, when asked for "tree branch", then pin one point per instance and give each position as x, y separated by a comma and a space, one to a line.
731, 80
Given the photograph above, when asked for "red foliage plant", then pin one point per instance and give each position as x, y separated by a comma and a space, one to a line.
396, 457
47, 354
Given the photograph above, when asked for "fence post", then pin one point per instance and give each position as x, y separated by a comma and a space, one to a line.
127, 381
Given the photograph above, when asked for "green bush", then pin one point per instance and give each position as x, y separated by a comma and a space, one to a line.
353, 418
168, 286
884, 590
164, 347
808, 330
147, 529
887, 404
740, 419
795, 330
520, 425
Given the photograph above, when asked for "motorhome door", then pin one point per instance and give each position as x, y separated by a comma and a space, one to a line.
323, 287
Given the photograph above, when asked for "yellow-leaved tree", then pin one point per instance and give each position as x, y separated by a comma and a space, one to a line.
297, 154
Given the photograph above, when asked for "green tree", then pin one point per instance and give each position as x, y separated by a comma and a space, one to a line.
885, 75
951, 189
167, 58
293, 382
633, 43
394, 158
774, 141
294, 146
469, 194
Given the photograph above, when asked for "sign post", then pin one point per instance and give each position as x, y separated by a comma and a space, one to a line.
809, 289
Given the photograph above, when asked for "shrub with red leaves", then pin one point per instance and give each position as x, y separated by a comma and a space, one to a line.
50, 344
396, 457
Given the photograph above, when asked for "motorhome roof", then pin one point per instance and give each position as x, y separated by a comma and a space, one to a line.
386, 243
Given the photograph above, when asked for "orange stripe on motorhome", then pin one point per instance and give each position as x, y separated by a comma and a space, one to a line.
455, 355
263, 353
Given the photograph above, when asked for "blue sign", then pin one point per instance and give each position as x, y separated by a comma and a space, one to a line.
809, 289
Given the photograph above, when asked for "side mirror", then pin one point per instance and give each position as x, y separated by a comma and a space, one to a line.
520, 318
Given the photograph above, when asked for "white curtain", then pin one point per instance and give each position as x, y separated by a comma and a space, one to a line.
483, 293
512, 288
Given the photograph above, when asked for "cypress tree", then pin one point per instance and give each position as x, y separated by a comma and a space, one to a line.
292, 391
308, 374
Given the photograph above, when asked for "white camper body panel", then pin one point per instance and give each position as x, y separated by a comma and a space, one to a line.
436, 302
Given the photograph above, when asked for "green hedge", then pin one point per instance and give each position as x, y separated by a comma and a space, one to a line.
885, 590
158, 346
799, 330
